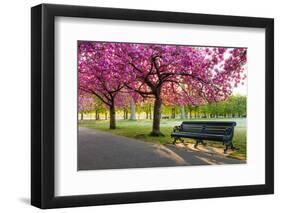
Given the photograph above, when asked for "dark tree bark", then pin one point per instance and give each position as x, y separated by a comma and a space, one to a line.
82, 116
97, 115
156, 117
112, 122
125, 114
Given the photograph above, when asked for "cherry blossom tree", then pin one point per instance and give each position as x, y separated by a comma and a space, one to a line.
101, 73
182, 75
85, 104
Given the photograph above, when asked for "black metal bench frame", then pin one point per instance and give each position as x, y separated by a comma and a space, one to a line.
200, 131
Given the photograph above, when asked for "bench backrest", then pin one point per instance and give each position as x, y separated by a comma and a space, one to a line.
210, 127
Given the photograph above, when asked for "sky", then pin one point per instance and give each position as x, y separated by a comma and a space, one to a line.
241, 89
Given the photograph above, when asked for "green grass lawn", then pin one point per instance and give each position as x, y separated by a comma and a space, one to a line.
140, 129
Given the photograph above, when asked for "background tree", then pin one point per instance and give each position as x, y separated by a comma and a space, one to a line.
86, 105
133, 109
101, 73
99, 108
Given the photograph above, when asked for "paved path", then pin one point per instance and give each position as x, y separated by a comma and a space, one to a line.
102, 150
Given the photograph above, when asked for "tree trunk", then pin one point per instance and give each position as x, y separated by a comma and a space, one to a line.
105, 115
173, 115
156, 117
133, 110
150, 114
112, 122
182, 112
196, 112
124, 114
82, 116
97, 115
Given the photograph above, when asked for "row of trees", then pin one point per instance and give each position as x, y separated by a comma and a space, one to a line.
234, 106
123, 74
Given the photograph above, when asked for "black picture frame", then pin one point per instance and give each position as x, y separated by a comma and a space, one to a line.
43, 110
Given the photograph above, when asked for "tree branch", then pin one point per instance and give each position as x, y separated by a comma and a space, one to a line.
96, 94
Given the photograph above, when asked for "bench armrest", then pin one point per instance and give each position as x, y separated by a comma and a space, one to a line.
228, 131
176, 128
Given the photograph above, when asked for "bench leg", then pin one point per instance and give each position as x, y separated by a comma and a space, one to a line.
229, 144
196, 144
232, 147
226, 148
177, 138
199, 141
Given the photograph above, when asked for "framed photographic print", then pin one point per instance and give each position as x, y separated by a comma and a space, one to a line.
139, 106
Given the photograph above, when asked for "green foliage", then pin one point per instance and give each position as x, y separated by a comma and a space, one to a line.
234, 106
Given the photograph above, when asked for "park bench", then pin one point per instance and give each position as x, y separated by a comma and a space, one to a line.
205, 130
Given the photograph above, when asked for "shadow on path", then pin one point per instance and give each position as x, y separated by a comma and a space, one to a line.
102, 150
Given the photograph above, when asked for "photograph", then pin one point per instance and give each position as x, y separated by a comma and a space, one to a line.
143, 105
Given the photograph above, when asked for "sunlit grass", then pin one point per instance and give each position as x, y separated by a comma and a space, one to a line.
140, 129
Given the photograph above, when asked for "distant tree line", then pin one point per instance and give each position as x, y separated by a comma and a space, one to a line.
233, 107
